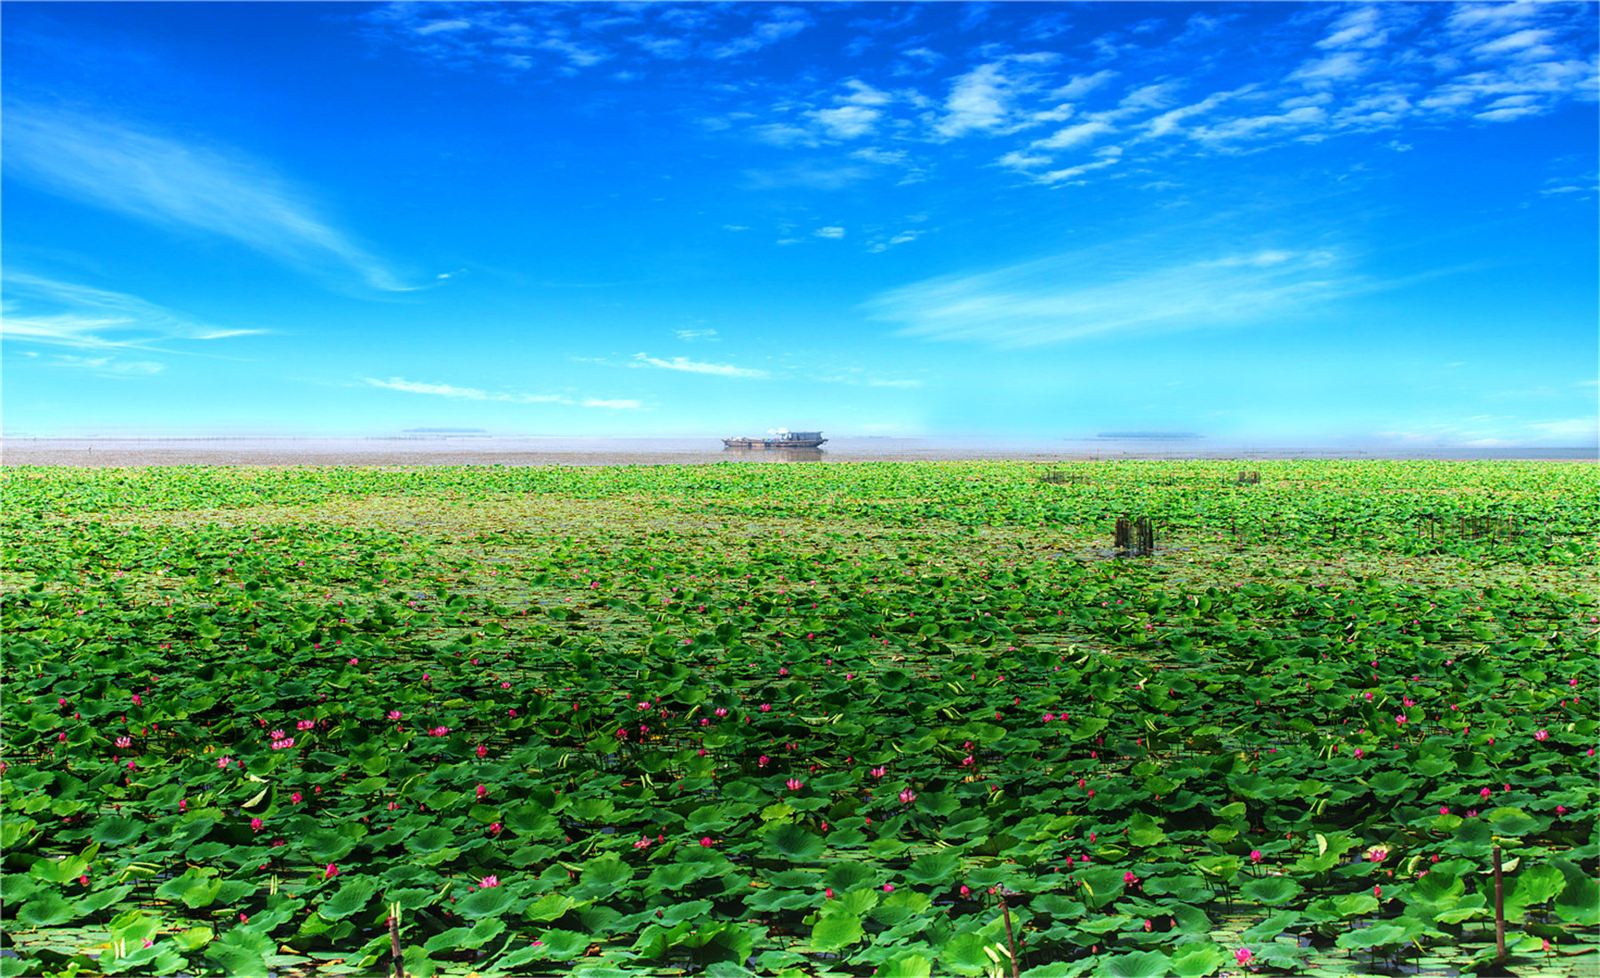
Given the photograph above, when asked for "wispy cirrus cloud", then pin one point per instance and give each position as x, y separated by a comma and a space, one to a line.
685, 365
106, 366
47, 311
176, 183
455, 392
1080, 295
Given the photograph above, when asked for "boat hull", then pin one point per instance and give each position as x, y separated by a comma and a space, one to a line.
765, 443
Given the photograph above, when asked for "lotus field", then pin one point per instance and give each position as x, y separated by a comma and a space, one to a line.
888, 719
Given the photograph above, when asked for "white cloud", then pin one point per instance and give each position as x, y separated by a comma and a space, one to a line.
1518, 42
168, 182
1252, 127
847, 121
442, 26
904, 237
833, 232
694, 335
784, 22
686, 365
1584, 430
1360, 28
1017, 160
1341, 66
886, 157
977, 100
1109, 156
1075, 135
1157, 95
1073, 296
107, 366
612, 404
1168, 122
55, 313
1081, 85
900, 383
463, 393
863, 94
577, 55
981, 99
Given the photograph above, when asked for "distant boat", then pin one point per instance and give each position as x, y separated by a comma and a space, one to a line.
779, 439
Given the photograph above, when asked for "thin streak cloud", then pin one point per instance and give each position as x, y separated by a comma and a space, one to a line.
1078, 296
172, 183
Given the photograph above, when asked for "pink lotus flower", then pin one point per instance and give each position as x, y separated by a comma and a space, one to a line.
256, 824
495, 828
794, 784
223, 762
278, 734
1129, 879
1400, 718
721, 711
763, 761
766, 708
482, 751
1377, 891
124, 741
330, 872
137, 701
481, 792
489, 882
305, 724
284, 744
878, 772
965, 890
1541, 735
888, 887
1255, 855
643, 843
440, 731
705, 842
907, 796
295, 797
395, 714
1484, 793
1243, 956
1444, 809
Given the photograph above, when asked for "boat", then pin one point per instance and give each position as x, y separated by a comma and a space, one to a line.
782, 438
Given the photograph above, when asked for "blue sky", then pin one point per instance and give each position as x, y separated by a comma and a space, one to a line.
1274, 222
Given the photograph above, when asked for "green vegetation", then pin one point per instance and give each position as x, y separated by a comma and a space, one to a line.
808, 720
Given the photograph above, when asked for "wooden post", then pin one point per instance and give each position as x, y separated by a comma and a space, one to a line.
1011, 940
394, 947
1499, 911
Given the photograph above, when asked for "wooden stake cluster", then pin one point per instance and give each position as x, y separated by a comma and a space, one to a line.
1499, 911
1496, 528
1248, 479
1136, 537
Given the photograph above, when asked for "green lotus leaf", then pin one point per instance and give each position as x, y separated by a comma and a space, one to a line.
1271, 890
836, 930
351, 898
1137, 964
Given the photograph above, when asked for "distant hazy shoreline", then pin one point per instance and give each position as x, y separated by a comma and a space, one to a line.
485, 450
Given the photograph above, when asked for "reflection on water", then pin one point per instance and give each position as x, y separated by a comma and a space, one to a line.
775, 454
